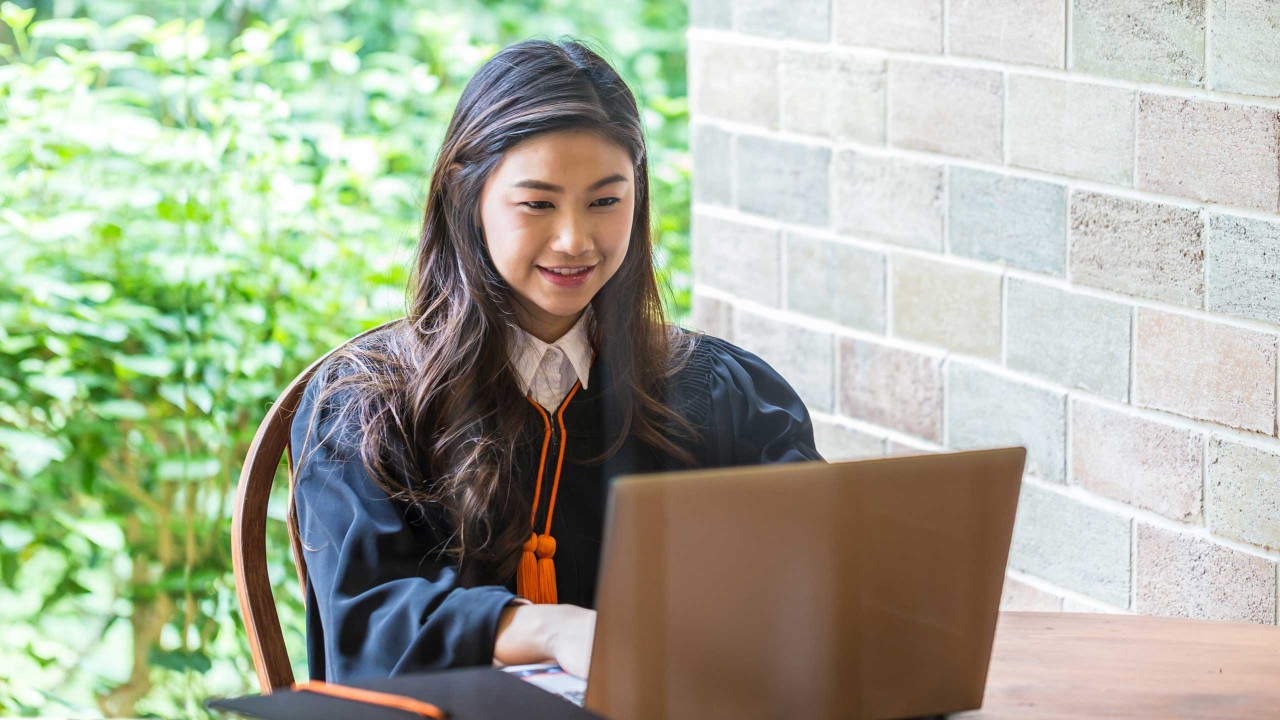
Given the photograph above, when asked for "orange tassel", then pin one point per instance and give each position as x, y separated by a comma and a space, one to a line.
527, 574
547, 568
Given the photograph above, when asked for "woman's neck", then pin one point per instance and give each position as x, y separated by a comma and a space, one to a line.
548, 328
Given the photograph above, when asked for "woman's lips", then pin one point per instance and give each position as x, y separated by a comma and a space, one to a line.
574, 280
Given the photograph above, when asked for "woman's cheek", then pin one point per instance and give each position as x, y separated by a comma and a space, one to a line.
518, 247
618, 229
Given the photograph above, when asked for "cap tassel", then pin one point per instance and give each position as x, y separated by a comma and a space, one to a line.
547, 568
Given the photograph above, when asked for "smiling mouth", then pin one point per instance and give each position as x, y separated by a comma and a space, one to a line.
567, 271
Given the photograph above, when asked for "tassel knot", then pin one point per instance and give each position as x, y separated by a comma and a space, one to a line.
527, 573
546, 546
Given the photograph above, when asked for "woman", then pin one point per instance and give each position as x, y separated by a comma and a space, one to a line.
454, 468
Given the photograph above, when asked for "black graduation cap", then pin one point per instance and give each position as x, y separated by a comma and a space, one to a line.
463, 694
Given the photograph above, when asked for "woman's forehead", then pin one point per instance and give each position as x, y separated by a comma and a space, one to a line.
574, 159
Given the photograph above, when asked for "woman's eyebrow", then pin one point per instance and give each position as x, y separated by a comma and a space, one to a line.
550, 187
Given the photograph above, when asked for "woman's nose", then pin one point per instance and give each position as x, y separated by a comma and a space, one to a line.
573, 236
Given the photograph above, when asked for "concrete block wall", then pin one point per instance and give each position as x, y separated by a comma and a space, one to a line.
1055, 223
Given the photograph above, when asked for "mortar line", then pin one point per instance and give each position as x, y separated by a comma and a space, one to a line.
1068, 56
946, 27
879, 431
1004, 118
1065, 593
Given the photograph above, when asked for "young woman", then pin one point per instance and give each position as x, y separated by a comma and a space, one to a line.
453, 469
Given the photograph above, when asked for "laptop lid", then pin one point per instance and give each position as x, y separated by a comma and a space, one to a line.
862, 589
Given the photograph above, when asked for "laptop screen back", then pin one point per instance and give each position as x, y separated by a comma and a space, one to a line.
857, 590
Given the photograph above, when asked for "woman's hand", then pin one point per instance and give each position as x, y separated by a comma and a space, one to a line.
571, 639
530, 633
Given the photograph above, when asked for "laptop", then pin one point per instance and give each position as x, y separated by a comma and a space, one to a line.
865, 589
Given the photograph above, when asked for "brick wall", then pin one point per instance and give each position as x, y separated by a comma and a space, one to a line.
1055, 223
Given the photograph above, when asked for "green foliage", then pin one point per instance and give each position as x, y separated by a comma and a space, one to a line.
193, 206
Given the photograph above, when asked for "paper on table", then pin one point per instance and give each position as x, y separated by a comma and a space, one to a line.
552, 678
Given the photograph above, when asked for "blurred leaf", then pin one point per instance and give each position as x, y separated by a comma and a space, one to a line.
31, 451
68, 586
14, 537
65, 29
103, 533
15, 17
149, 366
194, 468
180, 661
120, 409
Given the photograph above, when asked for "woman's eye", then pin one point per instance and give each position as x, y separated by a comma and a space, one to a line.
545, 205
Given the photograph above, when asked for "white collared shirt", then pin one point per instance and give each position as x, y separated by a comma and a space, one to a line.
547, 371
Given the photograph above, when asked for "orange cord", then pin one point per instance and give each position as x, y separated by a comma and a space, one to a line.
542, 462
559, 460
536, 574
399, 702
527, 572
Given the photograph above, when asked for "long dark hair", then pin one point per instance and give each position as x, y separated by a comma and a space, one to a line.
436, 396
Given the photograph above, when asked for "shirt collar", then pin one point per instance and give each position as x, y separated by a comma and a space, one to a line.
526, 351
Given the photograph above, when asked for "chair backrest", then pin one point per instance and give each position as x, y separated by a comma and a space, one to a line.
249, 527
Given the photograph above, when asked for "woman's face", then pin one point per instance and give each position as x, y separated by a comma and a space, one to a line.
557, 215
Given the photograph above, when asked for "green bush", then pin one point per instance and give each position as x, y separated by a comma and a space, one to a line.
192, 208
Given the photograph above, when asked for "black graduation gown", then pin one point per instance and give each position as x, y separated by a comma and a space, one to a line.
379, 603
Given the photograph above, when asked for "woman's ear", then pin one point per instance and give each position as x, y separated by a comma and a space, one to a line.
450, 173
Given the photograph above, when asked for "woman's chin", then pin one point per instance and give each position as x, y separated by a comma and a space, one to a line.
563, 311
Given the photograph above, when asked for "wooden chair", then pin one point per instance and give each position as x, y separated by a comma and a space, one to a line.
249, 525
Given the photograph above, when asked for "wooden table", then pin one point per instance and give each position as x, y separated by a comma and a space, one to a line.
1075, 665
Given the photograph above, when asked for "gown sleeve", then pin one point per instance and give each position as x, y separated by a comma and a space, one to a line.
754, 414
385, 602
